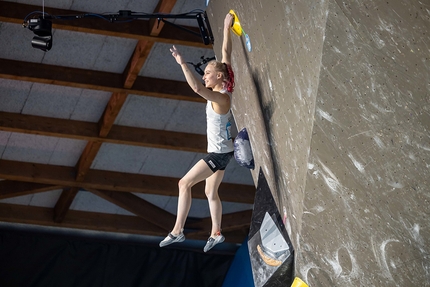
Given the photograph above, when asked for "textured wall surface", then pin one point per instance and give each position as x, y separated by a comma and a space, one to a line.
336, 100
276, 87
366, 205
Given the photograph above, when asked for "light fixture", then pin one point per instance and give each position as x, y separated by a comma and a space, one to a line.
43, 29
42, 43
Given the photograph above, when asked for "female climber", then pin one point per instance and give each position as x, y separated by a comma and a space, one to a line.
219, 83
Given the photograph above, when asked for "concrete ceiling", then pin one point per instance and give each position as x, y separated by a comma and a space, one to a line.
96, 132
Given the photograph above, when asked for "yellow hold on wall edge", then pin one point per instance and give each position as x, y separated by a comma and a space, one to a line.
236, 27
299, 283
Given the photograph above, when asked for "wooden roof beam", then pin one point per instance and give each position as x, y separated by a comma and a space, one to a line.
138, 206
12, 188
106, 122
78, 219
95, 80
63, 203
97, 222
163, 6
79, 130
116, 181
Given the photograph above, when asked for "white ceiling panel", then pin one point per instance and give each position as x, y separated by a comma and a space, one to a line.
45, 199
163, 114
4, 139
146, 112
41, 149
114, 54
29, 148
199, 207
67, 152
185, 6
161, 162
89, 51
52, 101
161, 64
86, 201
121, 211
114, 6
141, 6
98, 7
16, 44
90, 106
151, 161
21, 200
42, 199
160, 201
121, 158
62, 4
188, 117
13, 95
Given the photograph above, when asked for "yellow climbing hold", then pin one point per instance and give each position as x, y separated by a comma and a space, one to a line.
299, 283
236, 27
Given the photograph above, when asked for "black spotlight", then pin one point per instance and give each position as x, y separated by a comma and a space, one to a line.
43, 29
42, 43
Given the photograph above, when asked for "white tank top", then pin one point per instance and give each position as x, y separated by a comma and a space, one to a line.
219, 129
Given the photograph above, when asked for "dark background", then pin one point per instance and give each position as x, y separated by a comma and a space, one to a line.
43, 259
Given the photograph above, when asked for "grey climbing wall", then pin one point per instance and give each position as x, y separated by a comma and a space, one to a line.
336, 100
366, 217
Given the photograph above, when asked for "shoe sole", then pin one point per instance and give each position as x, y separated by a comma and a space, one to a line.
215, 243
175, 241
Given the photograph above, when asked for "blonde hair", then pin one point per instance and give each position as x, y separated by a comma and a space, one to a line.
227, 72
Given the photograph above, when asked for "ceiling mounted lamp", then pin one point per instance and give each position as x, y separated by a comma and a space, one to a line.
43, 29
42, 43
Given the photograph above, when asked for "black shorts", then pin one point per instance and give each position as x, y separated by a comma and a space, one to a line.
218, 161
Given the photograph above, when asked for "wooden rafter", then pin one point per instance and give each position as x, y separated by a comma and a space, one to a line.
79, 130
111, 112
163, 6
94, 80
115, 181
63, 203
15, 13
135, 64
11, 188
106, 123
86, 159
138, 206
78, 219
100, 222
143, 47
